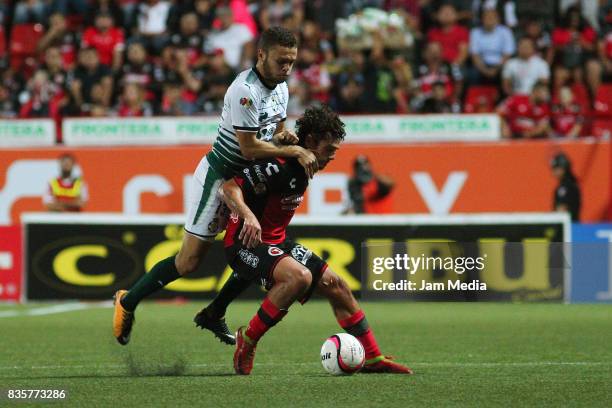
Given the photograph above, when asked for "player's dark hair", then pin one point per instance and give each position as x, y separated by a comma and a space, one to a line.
277, 36
67, 156
321, 122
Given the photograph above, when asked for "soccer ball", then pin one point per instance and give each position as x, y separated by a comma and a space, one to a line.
342, 354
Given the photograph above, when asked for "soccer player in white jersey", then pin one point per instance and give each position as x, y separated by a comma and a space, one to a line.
252, 127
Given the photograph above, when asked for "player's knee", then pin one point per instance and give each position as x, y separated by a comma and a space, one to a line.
187, 264
301, 279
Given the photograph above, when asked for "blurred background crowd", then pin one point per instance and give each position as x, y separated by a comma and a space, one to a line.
543, 65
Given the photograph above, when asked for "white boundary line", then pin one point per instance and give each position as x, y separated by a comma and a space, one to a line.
54, 309
422, 219
284, 364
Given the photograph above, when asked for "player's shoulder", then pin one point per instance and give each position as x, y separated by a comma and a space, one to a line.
246, 83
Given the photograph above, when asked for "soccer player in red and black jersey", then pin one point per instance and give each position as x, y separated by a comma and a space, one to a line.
262, 200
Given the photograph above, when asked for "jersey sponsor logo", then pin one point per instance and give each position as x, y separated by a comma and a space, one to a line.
246, 102
248, 258
274, 251
272, 167
292, 183
259, 173
247, 173
301, 254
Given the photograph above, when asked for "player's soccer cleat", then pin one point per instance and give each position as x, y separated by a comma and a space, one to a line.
244, 354
204, 320
122, 320
385, 365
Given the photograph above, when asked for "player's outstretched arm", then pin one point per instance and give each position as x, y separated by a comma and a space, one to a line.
231, 193
253, 148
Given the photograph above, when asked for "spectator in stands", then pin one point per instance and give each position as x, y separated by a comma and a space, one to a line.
69, 7
107, 39
311, 38
526, 116
453, 38
300, 100
234, 39
522, 72
30, 11
137, 69
567, 115
174, 68
402, 72
97, 7
68, 191
188, 38
88, 74
573, 50
325, 14
217, 78
435, 70
490, 46
8, 104
605, 56
309, 72
273, 12
369, 193
150, 21
132, 102
36, 99
380, 83
59, 35
350, 93
506, 9
203, 9
438, 101
605, 16
58, 77
567, 197
173, 102
540, 38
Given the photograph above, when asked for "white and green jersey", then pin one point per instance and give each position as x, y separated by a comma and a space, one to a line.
249, 105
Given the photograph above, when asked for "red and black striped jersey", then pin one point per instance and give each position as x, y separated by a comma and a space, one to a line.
270, 189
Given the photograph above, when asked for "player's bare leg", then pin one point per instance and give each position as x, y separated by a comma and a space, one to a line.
352, 319
291, 281
188, 259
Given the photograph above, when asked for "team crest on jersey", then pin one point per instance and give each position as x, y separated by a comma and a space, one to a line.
274, 251
234, 218
246, 102
260, 188
213, 225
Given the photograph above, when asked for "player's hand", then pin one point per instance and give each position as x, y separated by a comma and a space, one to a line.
308, 160
285, 137
250, 234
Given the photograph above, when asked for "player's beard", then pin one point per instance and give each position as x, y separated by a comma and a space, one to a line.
268, 74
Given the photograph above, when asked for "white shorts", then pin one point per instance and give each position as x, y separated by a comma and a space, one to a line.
207, 215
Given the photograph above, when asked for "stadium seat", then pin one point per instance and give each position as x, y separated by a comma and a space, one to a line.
481, 99
603, 100
24, 38
602, 127
2, 42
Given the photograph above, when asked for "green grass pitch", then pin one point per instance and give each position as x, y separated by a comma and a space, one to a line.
463, 354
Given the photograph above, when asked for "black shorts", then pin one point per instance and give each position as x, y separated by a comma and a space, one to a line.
257, 264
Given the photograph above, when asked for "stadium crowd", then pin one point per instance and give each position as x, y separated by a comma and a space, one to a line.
542, 65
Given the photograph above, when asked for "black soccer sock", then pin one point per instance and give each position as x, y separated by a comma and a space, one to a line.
160, 275
232, 288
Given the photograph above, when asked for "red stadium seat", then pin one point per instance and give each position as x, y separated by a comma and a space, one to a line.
2, 42
602, 127
24, 38
603, 100
480, 99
